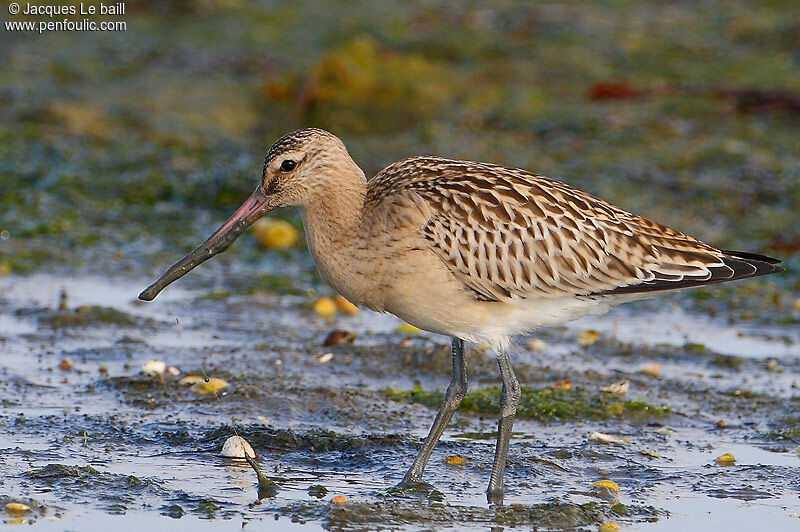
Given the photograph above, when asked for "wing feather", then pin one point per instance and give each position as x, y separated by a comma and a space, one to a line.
506, 233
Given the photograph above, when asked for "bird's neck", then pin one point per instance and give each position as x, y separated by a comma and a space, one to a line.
332, 223
337, 205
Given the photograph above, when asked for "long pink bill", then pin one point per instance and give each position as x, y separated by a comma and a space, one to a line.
256, 206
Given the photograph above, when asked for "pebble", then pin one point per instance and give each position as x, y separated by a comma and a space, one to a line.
607, 490
275, 234
212, 385
17, 508
588, 337
652, 369
726, 459
618, 388
537, 345
339, 336
325, 306
607, 438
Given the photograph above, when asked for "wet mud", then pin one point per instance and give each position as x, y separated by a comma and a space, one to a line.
87, 432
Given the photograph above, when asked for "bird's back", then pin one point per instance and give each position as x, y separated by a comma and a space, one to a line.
507, 234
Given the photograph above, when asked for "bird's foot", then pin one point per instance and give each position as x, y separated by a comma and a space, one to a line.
495, 496
416, 488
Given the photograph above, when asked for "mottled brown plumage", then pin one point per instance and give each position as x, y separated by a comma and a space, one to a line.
507, 233
472, 250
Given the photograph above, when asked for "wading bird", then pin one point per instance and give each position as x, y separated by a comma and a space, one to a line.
471, 250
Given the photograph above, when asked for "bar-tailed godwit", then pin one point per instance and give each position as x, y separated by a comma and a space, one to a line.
471, 250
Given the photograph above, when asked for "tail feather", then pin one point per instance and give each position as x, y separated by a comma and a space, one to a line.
752, 256
736, 265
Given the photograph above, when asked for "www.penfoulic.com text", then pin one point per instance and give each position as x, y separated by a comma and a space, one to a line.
76, 17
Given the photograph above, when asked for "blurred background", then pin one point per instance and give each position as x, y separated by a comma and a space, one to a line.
123, 149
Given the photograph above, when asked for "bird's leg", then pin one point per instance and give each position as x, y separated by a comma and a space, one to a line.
509, 398
452, 398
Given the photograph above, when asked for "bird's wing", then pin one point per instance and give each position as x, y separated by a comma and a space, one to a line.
507, 233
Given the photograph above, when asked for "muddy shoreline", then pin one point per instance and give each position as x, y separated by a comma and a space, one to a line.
104, 437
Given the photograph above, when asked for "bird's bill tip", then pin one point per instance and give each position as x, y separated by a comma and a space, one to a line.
254, 207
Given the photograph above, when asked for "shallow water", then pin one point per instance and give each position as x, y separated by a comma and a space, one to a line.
154, 445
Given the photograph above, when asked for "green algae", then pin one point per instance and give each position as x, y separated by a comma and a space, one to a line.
82, 316
544, 404
727, 361
206, 509
174, 511
54, 472
786, 429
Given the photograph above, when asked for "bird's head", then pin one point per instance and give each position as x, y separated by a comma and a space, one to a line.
299, 166
296, 170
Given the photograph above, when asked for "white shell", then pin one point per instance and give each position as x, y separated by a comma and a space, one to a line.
236, 447
154, 367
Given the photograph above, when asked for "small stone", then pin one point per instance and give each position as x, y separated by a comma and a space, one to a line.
212, 385
607, 438
605, 489
338, 336
726, 459
588, 337
611, 526
652, 369
325, 307
237, 447
607, 484
537, 345
17, 508
618, 388
325, 358
65, 365
339, 499
562, 385
172, 370
275, 234
455, 460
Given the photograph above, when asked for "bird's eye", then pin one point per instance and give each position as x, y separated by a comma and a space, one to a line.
288, 165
